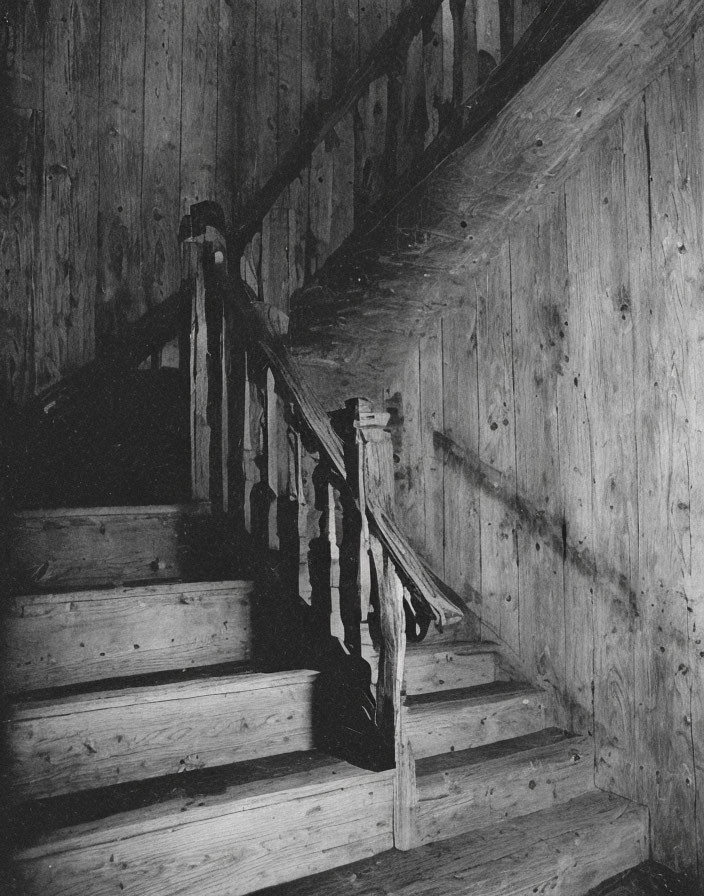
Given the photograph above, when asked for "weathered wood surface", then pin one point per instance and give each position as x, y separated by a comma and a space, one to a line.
201, 100
603, 360
430, 668
378, 297
471, 717
254, 835
54, 640
477, 788
94, 546
93, 740
601, 834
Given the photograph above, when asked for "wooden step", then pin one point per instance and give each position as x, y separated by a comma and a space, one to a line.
53, 640
92, 547
93, 740
431, 667
471, 717
472, 789
563, 851
298, 815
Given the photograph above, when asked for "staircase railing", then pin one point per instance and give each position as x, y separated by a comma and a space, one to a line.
313, 493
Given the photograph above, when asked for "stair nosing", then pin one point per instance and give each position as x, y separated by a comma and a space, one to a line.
477, 757
492, 692
233, 800
149, 694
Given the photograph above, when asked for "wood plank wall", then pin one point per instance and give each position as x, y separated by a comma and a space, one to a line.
550, 461
123, 113
120, 118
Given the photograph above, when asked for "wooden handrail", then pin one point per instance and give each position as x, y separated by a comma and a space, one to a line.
260, 330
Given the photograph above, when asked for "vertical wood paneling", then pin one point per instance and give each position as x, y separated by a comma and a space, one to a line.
500, 610
162, 147
695, 604
227, 93
246, 61
199, 109
575, 438
20, 293
460, 423
431, 420
614, 472
538, 293
465, 49
120, 293
669, 350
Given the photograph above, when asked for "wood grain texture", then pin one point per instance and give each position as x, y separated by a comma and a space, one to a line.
461, 424
458, 720
602, 835
116, 736
499, 579
668, 353
94, 546
246, 838
430, 668
120, 289
538, 294
64, 326
55, 640
21, 287
430, 418
199, 99
614, 472
161, 208
455, 797
418, 259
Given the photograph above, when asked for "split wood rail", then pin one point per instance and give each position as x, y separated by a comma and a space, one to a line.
313, 493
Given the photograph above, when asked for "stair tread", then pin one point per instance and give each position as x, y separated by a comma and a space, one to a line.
41, 513
602, 833
57, 824
545, 738
159, 693
482, 693
463, 648
111, 592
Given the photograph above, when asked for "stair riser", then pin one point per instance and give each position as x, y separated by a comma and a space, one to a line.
429, 671
233, 853
84, 548
454, 801
456, 725
56, 640
445, 670
156, 732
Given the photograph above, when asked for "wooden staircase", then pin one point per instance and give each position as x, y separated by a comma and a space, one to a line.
148, 755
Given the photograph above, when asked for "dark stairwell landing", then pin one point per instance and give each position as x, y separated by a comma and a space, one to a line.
127, 444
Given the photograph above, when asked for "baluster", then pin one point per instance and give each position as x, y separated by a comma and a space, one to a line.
337, 628
376, 475
193, 261
272, 458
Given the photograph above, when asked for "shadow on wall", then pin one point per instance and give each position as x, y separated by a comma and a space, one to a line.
553, 529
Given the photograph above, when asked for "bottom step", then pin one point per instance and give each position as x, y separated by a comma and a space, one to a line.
563, 851
251, 826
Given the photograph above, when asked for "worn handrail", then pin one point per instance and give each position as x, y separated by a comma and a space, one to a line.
262, 333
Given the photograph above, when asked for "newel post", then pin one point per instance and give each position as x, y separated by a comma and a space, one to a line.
205, 354
376, 488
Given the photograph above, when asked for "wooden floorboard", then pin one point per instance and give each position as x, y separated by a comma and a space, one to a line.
562, 851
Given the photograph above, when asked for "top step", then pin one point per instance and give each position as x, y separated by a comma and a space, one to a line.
95, 547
